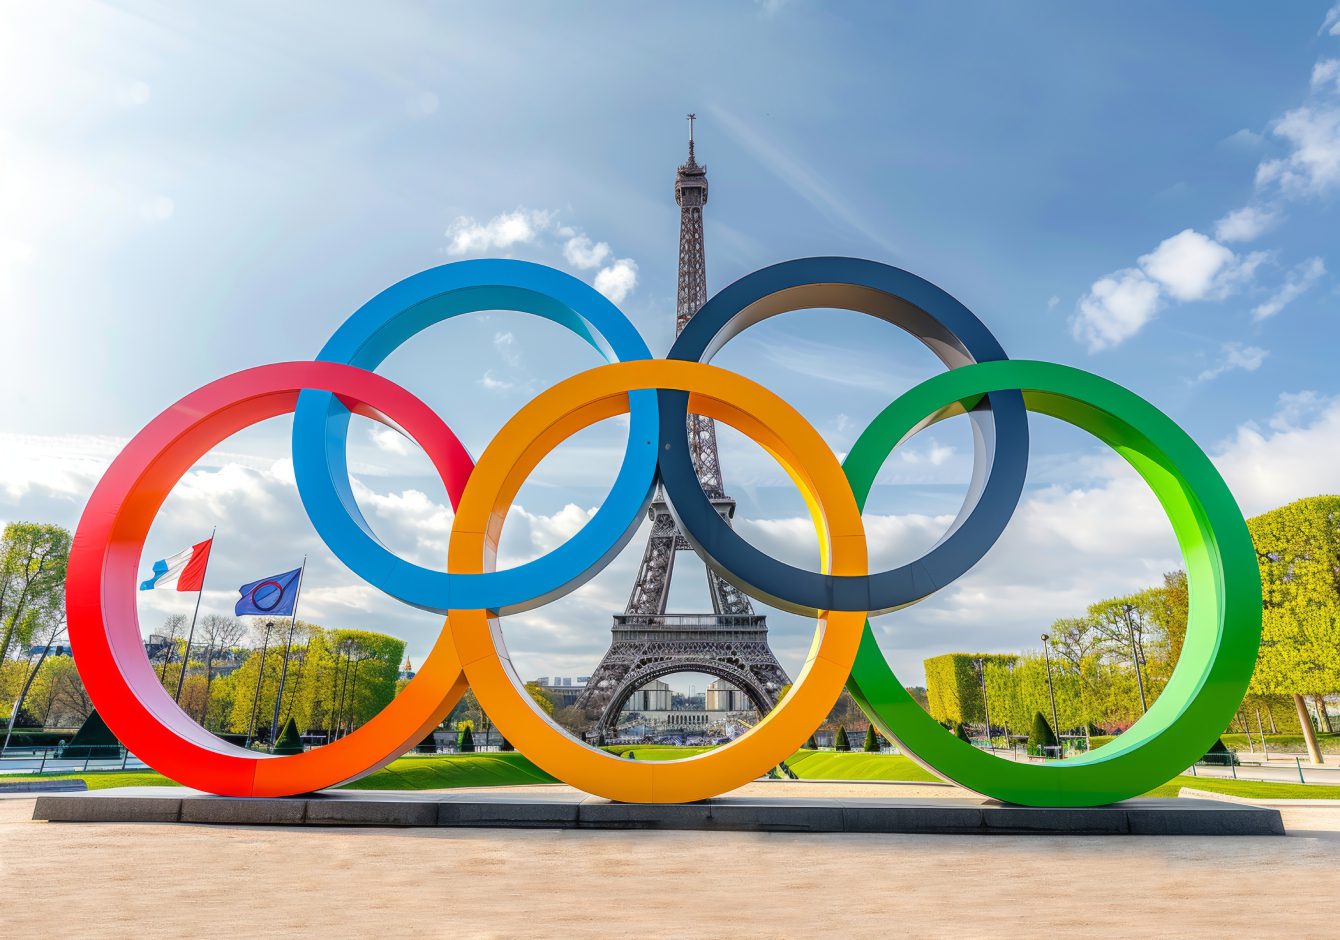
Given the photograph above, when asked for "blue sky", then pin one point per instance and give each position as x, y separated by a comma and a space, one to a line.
1148, 191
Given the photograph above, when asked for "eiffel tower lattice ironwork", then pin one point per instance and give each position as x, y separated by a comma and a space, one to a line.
730, 643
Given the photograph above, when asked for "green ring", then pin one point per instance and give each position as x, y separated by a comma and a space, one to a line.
1224, 622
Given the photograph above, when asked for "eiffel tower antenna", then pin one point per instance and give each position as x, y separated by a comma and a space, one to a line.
730, 643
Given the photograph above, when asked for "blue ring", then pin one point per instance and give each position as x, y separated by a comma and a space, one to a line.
321, 427
951, 331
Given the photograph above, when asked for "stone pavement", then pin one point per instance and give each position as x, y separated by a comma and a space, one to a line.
148, 880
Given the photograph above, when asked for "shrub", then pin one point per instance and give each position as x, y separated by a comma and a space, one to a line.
1041, 735
429, 744
290, 741
871, 740
961, 732
811, 744
1219, 754
465, 740
93, 739
840, 743
506, 745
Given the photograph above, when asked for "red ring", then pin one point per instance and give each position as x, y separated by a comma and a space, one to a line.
105, 557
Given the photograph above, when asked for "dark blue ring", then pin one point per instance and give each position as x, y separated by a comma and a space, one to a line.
951, 331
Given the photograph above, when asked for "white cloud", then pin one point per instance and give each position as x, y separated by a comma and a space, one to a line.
1244, 139
582, 253
1186, 267
505, 342
1332, 23
617, 280
1326, 72
501, 232
1298, 459
1246, 224
1187, 264
1293, 408
935, 454
1298, 282
1234, 356
391, 440
1313, 165
494, 384
1115, 309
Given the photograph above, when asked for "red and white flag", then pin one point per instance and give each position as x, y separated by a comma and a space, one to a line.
184, 571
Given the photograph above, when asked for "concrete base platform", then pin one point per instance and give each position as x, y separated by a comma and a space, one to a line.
562, 808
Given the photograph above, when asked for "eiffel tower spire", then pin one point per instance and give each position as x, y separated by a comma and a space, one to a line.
732, 641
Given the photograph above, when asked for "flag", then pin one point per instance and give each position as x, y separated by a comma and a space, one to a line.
274, 596
184, 571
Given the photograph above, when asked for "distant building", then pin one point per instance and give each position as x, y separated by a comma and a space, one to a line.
562, 690
724, 697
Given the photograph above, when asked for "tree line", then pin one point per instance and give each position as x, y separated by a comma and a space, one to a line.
228, 680
1109, 664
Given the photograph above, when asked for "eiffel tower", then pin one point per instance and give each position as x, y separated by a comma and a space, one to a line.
731, 643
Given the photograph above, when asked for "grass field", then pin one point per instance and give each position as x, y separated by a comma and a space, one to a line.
830, 765
447, 771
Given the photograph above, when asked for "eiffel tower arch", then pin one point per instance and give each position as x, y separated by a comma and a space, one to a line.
731, 642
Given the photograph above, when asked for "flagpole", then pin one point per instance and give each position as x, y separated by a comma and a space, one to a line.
260, 674
288, 643
186, 659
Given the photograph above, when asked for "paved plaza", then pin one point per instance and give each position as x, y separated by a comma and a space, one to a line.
152, 880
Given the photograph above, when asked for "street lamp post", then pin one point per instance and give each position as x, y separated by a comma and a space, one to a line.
980, 663
1135, 655
1051, 692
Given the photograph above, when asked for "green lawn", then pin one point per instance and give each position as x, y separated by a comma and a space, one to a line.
1283, 743
446, 771
1292, 743
1250, 789
413, 772
857, 765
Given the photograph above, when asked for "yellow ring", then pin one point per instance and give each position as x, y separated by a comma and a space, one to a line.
541, 425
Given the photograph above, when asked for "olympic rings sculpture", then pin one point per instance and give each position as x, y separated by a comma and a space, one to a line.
995, 392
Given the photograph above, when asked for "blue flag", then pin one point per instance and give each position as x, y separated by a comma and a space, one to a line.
274, 596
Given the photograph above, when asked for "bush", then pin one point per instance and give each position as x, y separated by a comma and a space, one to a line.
1219, 754
961, 732
840, 743
506, 745
465, 740
93, 740
811, 744
429, 744
871, 740
290, 741
1041, 736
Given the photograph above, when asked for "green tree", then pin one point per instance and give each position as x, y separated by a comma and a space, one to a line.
1298, 549
465, 739
840, 742
954, 686
961, 732
33, 559
1041, 735
871, 745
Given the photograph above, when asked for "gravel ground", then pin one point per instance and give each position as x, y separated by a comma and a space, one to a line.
151, 880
